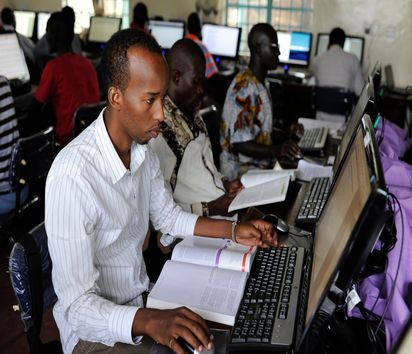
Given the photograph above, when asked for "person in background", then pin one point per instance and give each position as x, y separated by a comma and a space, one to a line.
42, 52
337, 68
9, 134
101, 192
195, 34
9, 24
140, 17
247, 112
68, 81
183, 147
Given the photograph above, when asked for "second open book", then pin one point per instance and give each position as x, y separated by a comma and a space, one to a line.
206, 275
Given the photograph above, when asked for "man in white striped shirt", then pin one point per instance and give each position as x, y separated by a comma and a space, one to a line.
100, 194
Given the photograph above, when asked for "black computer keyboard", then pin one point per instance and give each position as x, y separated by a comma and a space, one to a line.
267, 313
313, 139
313, 201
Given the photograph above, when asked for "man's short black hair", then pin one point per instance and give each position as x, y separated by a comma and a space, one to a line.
69, 13
140, 15
337, 36
114, 62
193, 23
254, 34
7, 16
60, 27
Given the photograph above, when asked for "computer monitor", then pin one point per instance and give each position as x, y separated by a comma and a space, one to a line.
42, 18
365, 104
167, 33
353, 44
25, 22
350, 223
222, 41
295, 48
12, 62
375, 78
101, 29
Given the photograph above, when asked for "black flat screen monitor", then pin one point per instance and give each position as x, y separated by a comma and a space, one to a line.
12, 63
365, 104
101, 29
295, 48
167, 33
25, 22
353, 44
221, 41
349, 224
42, 18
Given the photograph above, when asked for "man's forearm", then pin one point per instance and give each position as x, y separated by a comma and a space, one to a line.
253, 149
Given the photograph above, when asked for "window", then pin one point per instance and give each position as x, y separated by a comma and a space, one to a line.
281, 14
86, 8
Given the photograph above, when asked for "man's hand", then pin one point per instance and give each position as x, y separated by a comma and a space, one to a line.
233, 187
296, 130
165, 326
256, 233
287, 149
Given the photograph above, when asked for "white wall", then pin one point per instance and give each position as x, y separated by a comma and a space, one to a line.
390, 37
176, 9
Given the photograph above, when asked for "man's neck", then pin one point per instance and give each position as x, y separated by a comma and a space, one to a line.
258, 70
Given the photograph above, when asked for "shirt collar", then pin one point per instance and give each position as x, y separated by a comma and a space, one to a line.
116, 168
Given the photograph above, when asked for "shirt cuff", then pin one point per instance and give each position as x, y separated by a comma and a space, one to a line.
121, 322
197, 208
185, 224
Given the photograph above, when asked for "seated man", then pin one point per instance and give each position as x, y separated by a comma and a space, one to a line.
337, 68
68, 81
247, 113
183, 148
101, 192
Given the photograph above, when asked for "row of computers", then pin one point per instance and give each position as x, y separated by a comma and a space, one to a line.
306, 286
222, 41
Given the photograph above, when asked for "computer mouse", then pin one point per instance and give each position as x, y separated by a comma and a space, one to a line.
277, 222
189, 349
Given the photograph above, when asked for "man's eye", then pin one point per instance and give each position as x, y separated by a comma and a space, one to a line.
150, 101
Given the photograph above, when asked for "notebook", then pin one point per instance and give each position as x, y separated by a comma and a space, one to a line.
345, 234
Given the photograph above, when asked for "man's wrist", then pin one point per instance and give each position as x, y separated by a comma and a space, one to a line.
205, 209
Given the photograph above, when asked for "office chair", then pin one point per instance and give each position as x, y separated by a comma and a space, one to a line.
85, 115
212, 121
30, 269
333, 100
31, 159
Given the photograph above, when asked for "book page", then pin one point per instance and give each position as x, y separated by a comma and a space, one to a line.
214, 252
265, 193
307, 171
254, 177
213, 293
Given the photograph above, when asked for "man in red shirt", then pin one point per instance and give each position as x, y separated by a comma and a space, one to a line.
68, 81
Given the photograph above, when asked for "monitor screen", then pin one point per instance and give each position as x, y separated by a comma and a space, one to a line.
12, 62
365, 104
102, 28
25, 22
294, 48
344, 236
167, 33
222, 41
42, 18
352, 45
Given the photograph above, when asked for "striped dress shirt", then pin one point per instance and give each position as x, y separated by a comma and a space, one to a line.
97, 216
9, 133
211, 67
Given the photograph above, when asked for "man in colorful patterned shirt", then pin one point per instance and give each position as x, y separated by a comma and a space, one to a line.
247, 113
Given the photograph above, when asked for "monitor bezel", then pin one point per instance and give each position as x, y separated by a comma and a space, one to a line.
296, 65
34, 22
374, 207
347, 36
219, 57
182, 23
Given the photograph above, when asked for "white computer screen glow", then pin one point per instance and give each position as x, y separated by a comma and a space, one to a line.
221, 40
25, 22
294, 47
42, 18
352, 45
166, 33
102, 28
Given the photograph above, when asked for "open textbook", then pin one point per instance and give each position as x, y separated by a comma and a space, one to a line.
206, 275
262, 187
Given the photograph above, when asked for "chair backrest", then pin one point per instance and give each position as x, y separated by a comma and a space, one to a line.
30, 162
85, 115
333, 100
30, 273
212, 121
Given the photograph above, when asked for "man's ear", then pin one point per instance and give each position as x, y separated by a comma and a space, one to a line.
175, 76
115, 98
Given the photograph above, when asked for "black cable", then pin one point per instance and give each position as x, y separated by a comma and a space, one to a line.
389, 299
